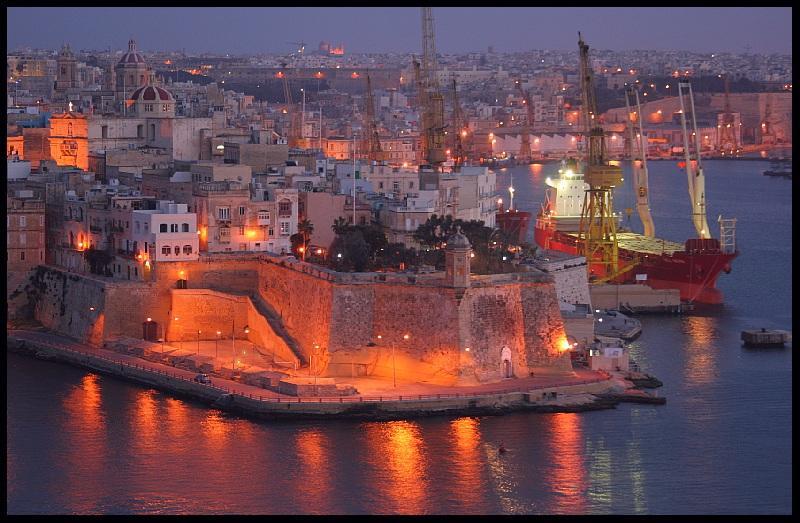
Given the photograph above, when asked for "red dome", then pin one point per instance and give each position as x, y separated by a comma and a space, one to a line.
151, 93
131, 57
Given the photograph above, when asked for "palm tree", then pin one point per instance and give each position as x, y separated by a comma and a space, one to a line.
340, 225
306, 228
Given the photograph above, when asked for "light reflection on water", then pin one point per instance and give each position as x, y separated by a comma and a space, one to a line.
82, 443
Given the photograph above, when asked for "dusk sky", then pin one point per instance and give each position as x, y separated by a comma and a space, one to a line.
364, 29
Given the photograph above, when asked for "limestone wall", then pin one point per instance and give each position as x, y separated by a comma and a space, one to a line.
211, 311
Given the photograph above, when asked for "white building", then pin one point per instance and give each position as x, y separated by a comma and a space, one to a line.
168, 233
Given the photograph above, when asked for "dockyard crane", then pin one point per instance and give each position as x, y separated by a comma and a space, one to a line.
694, 169
597, 235
433, 113
459, 131
301, 46
728, 144
372, 143
638, 156
525, 132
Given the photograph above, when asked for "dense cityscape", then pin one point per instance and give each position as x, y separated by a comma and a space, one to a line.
264, 240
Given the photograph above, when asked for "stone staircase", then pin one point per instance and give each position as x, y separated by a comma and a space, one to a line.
278, 327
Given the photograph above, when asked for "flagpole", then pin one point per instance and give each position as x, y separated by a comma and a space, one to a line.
354, 178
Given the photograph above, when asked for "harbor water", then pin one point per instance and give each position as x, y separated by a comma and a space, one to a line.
82, 443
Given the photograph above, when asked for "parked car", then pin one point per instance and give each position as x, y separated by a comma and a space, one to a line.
203, 378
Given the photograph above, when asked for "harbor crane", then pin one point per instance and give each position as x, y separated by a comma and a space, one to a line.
459, 131
694, 169
597, 235
301, 46
371, 141
431, 99
728, 144
525, 131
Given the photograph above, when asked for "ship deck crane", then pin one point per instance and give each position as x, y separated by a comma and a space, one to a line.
694, 169
597, 236
638, 155
525, 132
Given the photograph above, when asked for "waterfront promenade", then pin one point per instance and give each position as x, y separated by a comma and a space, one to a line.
381, 397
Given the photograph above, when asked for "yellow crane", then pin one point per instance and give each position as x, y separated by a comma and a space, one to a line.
372, 143
597, 235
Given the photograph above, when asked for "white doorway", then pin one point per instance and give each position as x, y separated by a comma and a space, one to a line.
506, 367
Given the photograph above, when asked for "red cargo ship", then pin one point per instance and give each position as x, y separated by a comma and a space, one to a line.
693, 267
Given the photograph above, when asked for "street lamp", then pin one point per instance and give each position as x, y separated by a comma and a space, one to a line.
216, 345
244, 352
198, 341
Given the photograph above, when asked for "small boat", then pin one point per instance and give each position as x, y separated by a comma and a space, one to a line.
780, 168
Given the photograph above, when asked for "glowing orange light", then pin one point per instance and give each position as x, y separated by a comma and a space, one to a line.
565, 345
301, 249
319, 251
251, 233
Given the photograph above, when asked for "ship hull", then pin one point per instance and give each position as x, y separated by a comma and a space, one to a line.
693, 271
515, 224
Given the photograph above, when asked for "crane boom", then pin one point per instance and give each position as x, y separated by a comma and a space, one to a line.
638, 153
694, 169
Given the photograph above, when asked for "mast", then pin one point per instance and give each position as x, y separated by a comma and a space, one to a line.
694, 169
459, 131
638, 152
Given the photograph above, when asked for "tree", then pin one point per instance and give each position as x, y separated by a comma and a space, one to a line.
305, 228
353, 249
340, 226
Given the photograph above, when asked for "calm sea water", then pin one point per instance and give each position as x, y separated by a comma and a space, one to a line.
82, 443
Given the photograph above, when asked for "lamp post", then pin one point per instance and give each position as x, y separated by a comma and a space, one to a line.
244, 352
216, 345
198, 341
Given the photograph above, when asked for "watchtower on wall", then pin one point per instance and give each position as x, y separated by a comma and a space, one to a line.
457, 256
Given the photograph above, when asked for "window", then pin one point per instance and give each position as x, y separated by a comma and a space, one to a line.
410, 185
104, 131
241, 210
22, 220
162, 227
396, 186
140, 131
263, 215
225, 234
177, 250
380, 185
69, 129
22, 238
152, 132
22, 256
223, 213
145, 247
241, 231
136, 223
284, 208
271, 231
184, 227
187, 249
173, 227
148, 108
284, 228
166, 250
165, 107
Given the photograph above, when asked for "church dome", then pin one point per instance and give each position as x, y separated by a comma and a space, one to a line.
132, 56
151, 93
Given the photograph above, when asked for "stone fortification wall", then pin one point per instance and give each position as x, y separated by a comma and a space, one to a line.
341, 314
211, 311
85, 307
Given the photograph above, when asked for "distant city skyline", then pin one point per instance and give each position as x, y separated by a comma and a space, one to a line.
397, 29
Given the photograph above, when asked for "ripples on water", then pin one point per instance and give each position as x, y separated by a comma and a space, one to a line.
83, 443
